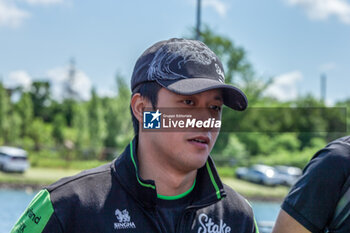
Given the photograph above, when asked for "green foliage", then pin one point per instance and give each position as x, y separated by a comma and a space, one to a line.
284, 157
285, 141
53, 159
226, 171
59, 124
14, 133
234, 149
80, 125
38, 132
25, 110
68, 133
68, 110
97, 125
257, 143
4, 113
41, 98
238, 70
233, 57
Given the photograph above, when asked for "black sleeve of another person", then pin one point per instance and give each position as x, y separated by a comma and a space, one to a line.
313, 198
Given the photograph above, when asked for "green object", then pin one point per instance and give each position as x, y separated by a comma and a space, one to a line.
213, 181
36, 216
137, 176
256, 226
255, 223
177, 196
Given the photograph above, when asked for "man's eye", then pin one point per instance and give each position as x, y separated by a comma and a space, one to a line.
188, 102
216, 108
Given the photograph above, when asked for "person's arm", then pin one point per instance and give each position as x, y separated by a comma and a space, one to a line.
286, 224
39, 217
311, 201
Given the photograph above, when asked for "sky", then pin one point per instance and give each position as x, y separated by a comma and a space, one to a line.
292, 41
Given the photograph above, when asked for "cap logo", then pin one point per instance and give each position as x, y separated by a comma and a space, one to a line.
182, 52
220, 73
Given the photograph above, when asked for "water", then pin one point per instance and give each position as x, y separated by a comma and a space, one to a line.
14, 202
265, 211
265, 214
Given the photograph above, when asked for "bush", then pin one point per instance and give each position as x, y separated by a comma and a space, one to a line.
297, 158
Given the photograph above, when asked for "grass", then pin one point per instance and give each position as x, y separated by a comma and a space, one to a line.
64, 164
36, 176
256, 191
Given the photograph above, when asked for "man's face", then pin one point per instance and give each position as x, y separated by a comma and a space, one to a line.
187, 150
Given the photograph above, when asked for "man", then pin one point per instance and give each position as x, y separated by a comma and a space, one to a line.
163, 181
312, 204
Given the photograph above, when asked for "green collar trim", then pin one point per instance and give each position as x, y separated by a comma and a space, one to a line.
137, 176
218, 194
171, 198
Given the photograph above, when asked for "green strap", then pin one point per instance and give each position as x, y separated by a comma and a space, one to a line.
36, 216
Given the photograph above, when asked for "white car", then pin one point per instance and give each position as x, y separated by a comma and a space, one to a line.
13, 159
289, 174
261, 174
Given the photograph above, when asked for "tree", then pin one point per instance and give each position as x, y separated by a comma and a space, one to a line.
25, 111
68, 110
238, 70
14, 133
118, 118
80, 124
4, 113
41, 98
233, 57
59, 123
38, 132
97, 125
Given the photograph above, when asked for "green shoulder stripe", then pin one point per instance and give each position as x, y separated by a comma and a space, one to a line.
36, 216
256, 226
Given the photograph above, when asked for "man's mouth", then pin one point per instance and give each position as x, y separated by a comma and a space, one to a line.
200, 139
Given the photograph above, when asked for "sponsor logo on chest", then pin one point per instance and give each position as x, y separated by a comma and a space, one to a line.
124, 221
207, 225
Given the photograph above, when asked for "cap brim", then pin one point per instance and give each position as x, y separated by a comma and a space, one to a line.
233, 97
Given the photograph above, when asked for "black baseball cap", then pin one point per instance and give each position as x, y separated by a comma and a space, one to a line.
185, 67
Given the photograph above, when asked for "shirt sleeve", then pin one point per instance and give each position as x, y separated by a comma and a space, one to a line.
313, 198
39, 217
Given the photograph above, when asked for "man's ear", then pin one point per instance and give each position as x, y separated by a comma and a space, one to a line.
138, 104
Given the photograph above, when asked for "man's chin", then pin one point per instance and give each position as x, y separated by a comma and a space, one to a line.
200, 161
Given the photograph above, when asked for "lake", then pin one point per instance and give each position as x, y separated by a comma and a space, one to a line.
14, 202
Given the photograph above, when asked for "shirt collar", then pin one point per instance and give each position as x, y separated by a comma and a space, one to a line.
208, 188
